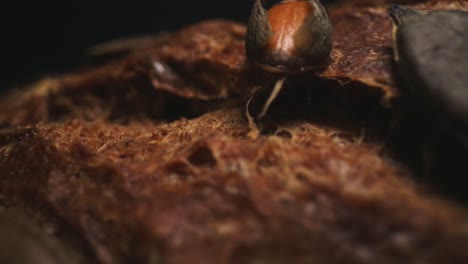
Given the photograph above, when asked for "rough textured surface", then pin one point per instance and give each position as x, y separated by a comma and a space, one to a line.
201, 190
207, 61
201, 62
209, 53
363, 55
362, 48
108, 153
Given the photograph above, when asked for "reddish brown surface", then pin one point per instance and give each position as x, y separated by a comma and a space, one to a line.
362, 47
200, 191
101, 152
207, 61
210, 54
201, 62
285, 20
362, 42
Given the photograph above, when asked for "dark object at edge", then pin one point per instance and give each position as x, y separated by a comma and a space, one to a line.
432, 58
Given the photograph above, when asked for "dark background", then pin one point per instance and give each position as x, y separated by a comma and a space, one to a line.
48, 37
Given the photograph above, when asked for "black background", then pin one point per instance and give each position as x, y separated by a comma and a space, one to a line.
43, 38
